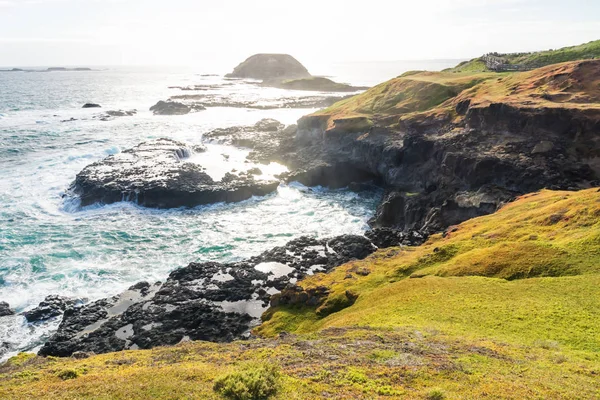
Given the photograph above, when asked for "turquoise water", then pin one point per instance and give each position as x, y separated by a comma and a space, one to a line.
50, 245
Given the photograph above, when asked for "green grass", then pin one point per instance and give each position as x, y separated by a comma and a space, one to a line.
586, 51
471, 282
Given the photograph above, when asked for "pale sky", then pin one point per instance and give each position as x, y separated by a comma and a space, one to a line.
225, 32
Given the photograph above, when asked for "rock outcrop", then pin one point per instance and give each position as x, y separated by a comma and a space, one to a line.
313, 83
270, 66
5, 309
174, 108
464, 157
51, 307
203, 301
159, 174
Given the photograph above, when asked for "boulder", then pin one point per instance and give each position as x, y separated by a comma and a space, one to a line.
270, 66
91, 105
52, 306
158, 174
170, 108
5, 309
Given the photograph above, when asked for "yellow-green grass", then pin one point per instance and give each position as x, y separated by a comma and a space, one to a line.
421, 95
349, 363
414, 91
470, 280
586, 51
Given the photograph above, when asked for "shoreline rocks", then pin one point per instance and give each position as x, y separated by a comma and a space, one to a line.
202, 301
158, 174
174, 108
5, 309
52, 306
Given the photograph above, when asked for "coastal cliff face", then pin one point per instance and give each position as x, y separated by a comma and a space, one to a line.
449, 147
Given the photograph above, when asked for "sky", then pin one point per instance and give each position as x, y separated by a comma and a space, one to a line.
225, 32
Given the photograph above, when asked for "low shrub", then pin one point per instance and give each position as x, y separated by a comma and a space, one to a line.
250, 382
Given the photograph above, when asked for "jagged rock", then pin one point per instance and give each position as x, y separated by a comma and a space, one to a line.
268, 125
202, 301
157, 174
5, 309
91, 105
170, 108
270, 66
390, 237
52, 306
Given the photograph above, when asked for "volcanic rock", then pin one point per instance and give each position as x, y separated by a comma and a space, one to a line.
158, 174
203, 301
5, 309
170, 108
52, 306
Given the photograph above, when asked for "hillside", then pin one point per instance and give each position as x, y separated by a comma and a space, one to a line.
502, 306
422, 94
586, 51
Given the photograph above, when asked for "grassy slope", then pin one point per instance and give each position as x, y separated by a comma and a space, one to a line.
435, 316
584, 51
421, 95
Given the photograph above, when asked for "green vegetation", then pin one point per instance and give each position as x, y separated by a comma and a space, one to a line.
434, 98
251, 382
67, 374
537, 59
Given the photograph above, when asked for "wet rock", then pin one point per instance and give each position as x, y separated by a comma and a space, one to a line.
170, 108
268, 125
269, 66
52, 306
157, 174
5, 309
202, 301
390, 237
91, 105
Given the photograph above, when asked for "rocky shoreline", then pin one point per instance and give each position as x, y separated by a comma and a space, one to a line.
203, 301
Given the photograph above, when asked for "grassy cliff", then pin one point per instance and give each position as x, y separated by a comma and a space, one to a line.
419, 96
586, 51
501, 306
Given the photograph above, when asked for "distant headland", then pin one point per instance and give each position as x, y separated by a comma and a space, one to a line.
50, 69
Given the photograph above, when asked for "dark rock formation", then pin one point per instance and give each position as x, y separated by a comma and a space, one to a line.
436, 178
52, 306
5, 309
157, 174
91, 105
270, 66
172, 108
206, 301
112, 114
389, 237
314, 83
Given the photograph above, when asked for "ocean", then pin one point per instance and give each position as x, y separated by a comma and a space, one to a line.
51, 245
